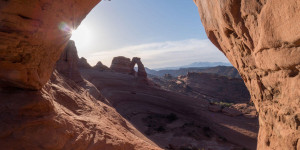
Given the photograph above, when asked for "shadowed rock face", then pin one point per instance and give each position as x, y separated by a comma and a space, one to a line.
261, 39
82, 63
125, 65
33, 34
121, 64
68, 63
141, 69
100, 67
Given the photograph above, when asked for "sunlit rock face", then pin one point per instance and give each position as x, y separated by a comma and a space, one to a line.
261, 39
32, 36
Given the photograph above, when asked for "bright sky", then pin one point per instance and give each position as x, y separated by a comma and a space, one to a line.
164, 33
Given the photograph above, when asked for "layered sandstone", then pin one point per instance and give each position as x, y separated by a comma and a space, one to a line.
261, 39
64, 115
33, 34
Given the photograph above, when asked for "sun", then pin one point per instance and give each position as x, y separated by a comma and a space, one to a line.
81, 36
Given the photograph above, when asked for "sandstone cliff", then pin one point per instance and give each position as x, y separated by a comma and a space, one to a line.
261, 39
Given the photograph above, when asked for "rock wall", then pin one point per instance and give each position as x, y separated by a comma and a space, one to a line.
261, 39
32, 36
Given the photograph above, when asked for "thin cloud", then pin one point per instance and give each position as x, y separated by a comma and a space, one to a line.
164, 54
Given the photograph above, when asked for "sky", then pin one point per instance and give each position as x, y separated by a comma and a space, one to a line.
164, 33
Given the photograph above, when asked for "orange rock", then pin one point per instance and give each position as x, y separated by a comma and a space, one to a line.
33, 34
261, 39
63, 115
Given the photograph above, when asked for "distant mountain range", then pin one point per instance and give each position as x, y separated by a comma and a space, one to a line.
196, 64
228, 71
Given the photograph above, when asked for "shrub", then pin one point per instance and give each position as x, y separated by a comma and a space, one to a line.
223, 104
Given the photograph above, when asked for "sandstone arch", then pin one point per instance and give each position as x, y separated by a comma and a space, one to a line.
259, 37
33, 35
141, 69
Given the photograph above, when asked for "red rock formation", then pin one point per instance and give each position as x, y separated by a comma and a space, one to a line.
141, 69
147, 106
63, 115
83, 64
124, 65
261, 39
121, 64
68, 63
100, 67
33, 34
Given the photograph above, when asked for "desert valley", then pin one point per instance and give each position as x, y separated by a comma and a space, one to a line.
53, 99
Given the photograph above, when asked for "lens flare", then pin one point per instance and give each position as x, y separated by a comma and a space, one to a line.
65, 27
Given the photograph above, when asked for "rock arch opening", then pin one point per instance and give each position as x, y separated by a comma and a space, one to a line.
141, 72
256, 45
